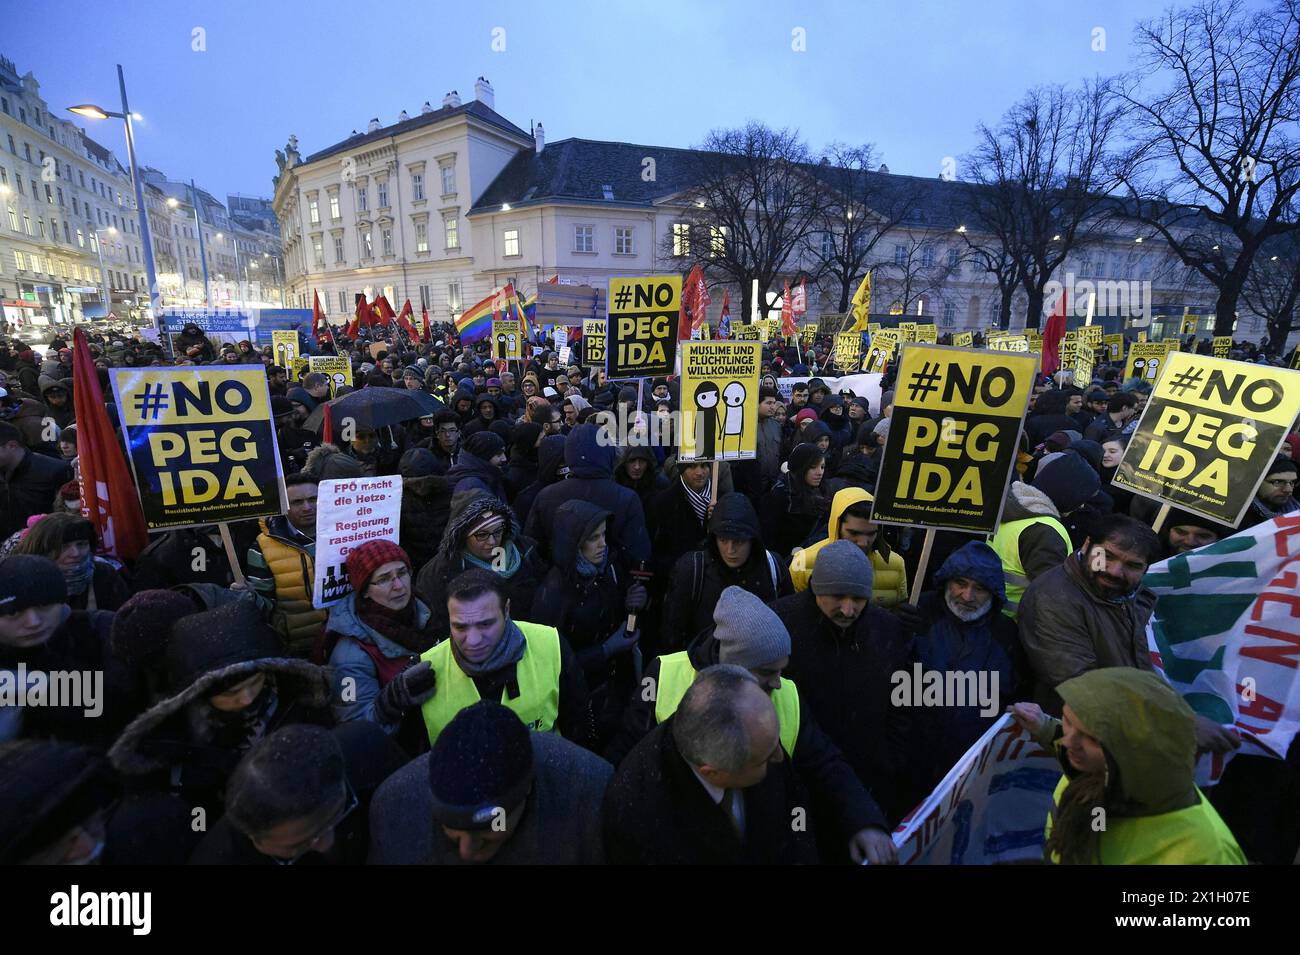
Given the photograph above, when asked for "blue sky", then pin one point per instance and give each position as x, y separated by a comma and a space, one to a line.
914, 78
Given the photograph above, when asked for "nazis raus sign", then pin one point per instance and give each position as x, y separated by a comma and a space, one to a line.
201, 444
954, 437
642, 331
1209, 433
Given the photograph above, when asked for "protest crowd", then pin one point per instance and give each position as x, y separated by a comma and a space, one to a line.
584, 646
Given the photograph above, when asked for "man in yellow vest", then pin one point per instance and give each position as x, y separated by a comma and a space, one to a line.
526, 667
281, 567
746, 633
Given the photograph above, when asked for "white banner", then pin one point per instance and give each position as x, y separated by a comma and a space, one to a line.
864, 386
1225, 634
349, 513
990, 808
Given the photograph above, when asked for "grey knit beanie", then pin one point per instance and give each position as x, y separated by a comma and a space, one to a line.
749, 634
842, 569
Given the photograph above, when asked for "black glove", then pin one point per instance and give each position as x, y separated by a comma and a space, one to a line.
909, 617
407, 690
620, 641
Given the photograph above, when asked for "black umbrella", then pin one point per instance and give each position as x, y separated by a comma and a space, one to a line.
370, 409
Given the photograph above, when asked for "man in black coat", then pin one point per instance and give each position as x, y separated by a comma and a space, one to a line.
710, 785
30, 480
678, 517
843, 656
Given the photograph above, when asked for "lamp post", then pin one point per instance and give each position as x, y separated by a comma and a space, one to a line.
91, 111
103, 272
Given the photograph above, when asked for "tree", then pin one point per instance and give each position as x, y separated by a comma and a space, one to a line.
918, 268
991, 240
1272, 288
750, 209
1214, 162
1046, 171
861, 206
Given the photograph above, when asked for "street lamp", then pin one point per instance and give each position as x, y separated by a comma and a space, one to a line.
90, 111
103, 272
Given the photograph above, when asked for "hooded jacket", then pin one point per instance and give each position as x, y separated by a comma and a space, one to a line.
522, 469
550, 468
426, 506
472, 473
1041, 546
591, 478
840, 426
65, 415
652, 482
1068, 629
1155, 813
30, 489
889, 586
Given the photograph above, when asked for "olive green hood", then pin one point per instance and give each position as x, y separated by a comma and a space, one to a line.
1147, 731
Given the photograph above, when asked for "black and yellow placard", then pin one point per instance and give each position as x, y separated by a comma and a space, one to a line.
1114, 347
749, 332
927, 332
201, 444
1145, 359
285, 345
884, 345
593, 342
336, 368
507, 340
808, 335
848, 350
1222, 346
1209, 433
1017, 343
719, 390
963, 339
954, 437
643, 317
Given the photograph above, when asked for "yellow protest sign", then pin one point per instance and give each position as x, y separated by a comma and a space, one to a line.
593, 342
642, 331
963, 339
1171, 345
202, 444
808, 335
746, 333
719, 393
909, 331
927, 332
1209, 433
1092, 333
284, 345
1114, 347
954, 436
1145, 359
507, 340
337, 369
706, 331
1142, 335
848, 350
1222, 346
873, 327
297, 368
884, 345
1009, 343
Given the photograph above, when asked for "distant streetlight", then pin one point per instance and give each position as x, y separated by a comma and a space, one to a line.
172, 202
961, 228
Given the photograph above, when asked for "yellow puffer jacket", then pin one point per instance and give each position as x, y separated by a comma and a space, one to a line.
890, 584
293, 568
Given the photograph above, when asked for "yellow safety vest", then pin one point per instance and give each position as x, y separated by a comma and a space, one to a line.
293, 615
537, 673
676, 674
1007, 544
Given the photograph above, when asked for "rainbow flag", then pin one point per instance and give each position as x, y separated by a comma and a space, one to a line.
475, 323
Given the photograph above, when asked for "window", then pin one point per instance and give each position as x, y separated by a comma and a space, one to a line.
334, 207
448, 174
4, 104
451, 226
949, 314
367, 245
388, 241
49, 194
623, 240
381, 190
4, 176
900, 255
927, 257
67, 233
422, 236
453, 297
954, 258
81, 176
318, 251
718, 239
424, 296
363, 199
20, 261
510, 242
338, 250
828, 245
343, 301
681, 233
417, 186
27, 150
584, 238
18, 181
76, 206
27, 223
12, 148
13, 219
313, 211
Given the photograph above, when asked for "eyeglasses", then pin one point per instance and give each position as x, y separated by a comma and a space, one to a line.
350, 804
402, 573
487, 537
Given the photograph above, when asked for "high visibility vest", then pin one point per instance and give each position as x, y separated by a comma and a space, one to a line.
676, 674
293, 570
537, 673
1007, 544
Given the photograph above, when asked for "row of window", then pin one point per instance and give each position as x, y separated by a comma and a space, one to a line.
584, 240
366, 241
381, 195
25, 261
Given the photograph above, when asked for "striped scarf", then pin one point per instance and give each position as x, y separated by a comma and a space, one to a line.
699, 502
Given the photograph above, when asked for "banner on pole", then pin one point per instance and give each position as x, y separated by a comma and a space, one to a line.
719, 394
285, 347
1209, 433
349, 513
1114, 347
1145, 359
201, 444
337, 369
643, 314
507, 340
954, 437
848, 350
593, 342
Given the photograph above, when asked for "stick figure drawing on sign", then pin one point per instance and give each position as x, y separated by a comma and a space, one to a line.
706, 420
733, 396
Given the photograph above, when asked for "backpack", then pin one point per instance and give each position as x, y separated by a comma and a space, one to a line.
697, 575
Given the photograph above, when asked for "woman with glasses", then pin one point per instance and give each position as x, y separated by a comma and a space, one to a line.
481, 532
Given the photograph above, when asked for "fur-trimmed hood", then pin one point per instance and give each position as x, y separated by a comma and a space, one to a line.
296, 681
468, 510
1025, 501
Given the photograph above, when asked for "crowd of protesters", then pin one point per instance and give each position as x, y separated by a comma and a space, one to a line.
581, 650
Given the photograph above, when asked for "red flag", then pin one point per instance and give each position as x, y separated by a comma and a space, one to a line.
404, 320
317, 315
1052, 336
554, 279
695, 298
381, 311
787, 314
362, 318
424, 311
800, 301
108, 496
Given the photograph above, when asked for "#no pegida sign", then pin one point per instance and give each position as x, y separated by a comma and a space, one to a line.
955, 432
201, 444
1209, 434
593, 342
719, 389
643, 315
